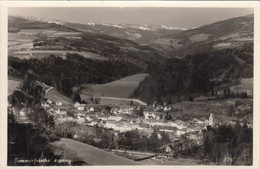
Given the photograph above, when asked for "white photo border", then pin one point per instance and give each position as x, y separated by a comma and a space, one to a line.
106, 4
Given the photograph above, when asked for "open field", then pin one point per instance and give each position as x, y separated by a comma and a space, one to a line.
245, 86
12, 85
17, 37
46, 53
91, 155
114, 100
21, 44
122, 88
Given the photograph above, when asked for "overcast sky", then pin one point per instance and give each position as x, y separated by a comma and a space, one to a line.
176, 17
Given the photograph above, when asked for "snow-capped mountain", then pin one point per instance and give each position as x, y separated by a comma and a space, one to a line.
143, 34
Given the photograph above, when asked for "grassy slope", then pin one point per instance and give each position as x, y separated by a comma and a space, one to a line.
122, 88
246, 85
12, 85
92, 155
54, 95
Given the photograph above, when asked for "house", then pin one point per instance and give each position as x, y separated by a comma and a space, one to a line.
80, 108
89, 118
193, 128
45, 104
167, 108
101, 123
166, 130
181, 124
49, 101
193, 137
114, 118
159, 107
110, 124
80, 116
51, 111
180, 132
80, 120
159, 115
168, 148
149, 113
153, 122
91, 109
59, 103
76, 104
227, 159
61, 113
126, 109
114, 111
104, 117
93, 122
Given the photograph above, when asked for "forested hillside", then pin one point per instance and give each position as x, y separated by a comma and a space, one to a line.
196, 75
73, 71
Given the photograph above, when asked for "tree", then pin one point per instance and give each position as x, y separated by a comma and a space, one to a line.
228, 92
168, 116
141, 112
51, 122
153, 142
169, 101
97, 100
244, 94
165, 138
225, 92
231, 110
76, 97
235, 141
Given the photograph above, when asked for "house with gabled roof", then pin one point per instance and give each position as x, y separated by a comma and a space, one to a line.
59, 103
61, 113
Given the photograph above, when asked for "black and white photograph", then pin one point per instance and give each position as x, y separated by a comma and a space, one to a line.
102, 86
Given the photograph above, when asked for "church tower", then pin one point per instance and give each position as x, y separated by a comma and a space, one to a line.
212, 120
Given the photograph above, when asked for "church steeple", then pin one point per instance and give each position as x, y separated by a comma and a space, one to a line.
212, 120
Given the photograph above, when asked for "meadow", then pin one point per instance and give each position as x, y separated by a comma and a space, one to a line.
122, 88
12, 85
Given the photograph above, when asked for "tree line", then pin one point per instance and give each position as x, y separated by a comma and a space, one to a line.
63, 74
193, 76
234, 142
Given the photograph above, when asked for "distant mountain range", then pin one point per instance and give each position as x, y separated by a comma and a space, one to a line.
102, 44
227, 34
143, 34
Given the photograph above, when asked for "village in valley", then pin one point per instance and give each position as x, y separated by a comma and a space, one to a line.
127, 115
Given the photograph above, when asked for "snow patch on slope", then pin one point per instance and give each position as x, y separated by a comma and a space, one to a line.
113, 25
134, 35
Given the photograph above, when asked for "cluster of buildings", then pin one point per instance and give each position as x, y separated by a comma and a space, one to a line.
124, 118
